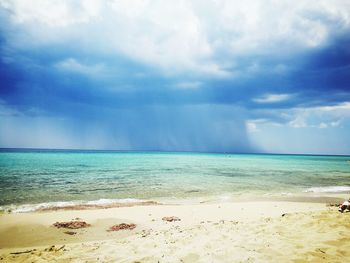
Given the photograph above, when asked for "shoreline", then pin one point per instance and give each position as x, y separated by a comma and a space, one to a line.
223, 232
325, 198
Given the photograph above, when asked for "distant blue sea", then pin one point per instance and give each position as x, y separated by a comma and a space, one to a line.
29, 177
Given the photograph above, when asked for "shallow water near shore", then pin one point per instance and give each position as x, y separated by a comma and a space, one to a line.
54, 178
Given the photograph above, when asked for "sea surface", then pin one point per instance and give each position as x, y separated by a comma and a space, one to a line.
33, 179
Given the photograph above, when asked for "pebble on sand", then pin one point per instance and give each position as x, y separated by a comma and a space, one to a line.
171, 218
122, 226
71, 224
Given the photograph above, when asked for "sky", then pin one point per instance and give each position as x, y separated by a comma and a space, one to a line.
188, 75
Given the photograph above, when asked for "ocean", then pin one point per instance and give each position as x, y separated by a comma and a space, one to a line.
34, 179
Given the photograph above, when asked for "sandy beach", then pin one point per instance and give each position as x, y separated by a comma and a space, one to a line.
269, 231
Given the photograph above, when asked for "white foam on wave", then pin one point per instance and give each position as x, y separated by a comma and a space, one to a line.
225, 197
328, 189
286, 194
51, 205
34, 207
114, 201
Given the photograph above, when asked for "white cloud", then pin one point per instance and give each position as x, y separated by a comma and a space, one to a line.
53, 13
272, 98
76, 66
298, 122
331, 124
251, 126
318, 117
194, 37
255, 124
323, 125
335, 123
334, 108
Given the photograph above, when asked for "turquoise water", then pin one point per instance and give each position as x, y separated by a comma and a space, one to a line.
31, 177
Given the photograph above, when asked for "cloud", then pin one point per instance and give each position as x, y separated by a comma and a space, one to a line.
200, 37
298, 122
273, 98
342, 108
53, 13
319, 117
324, 125
313, 130
251, 126
315, 117
165, 128
73, 65
149, 69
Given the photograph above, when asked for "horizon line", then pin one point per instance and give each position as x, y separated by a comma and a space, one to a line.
164, 151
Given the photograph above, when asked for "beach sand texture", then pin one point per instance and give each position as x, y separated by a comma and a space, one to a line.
225, 232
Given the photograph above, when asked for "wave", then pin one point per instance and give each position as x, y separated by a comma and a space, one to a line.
76, 205
328, 189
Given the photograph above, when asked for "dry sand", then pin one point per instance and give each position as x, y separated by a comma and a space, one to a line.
225, 232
